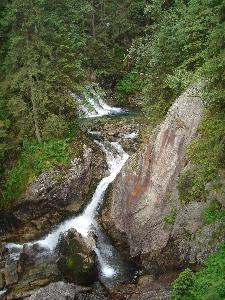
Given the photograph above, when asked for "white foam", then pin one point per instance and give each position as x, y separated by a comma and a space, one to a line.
131, 135
2, 292
92, 104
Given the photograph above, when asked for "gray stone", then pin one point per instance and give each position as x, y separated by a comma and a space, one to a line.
52, 195
58, 291
10, 273
146, 191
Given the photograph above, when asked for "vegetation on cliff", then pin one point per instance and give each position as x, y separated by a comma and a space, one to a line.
207, 284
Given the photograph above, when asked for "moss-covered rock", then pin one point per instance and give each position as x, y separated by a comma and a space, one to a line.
77, 260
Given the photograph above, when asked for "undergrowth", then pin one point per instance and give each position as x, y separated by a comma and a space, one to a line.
207, 154
34, 158
206, 284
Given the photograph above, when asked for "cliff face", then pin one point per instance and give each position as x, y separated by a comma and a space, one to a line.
145, 193
54, 195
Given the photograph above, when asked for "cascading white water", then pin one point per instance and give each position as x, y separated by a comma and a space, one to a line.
92, 105
85, 221
116, 158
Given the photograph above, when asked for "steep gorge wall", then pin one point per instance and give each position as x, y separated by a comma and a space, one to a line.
145, 193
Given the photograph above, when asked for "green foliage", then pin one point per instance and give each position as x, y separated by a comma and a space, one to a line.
112, 25
208, 283
55, 126
34, 159
171, 217
182, 284
129, 85
191, 187
42, 62
184, 41
213, 212
207, 156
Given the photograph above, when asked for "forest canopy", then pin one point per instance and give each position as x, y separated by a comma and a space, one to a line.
146, 52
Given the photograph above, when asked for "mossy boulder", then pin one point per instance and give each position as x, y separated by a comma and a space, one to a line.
77, 259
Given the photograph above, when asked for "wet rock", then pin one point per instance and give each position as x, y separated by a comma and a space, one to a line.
126, 131
52, 196
11, 273
36, 267
145, 192
66, 291
77, 259
2, 280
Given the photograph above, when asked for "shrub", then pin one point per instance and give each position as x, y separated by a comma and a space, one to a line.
191, 187
207, 155
182, 284
128, 85
213, 212
207, 283
34, 159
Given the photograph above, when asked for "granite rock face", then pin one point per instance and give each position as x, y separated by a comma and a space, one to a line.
145, 192
52, 196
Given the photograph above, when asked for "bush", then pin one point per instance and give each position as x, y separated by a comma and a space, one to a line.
34, 159
55, 127
208, 283
213, 212
191, 187
182, 284
128, 85
207, 153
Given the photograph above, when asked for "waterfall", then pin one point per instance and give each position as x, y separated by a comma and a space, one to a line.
111, 265
91, 103
85, 222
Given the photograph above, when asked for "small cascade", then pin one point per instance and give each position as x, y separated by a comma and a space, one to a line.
92, 104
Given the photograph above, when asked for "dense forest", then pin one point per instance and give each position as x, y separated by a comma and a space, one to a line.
144, 52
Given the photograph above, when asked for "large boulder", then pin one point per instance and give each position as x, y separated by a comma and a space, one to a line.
31, 268
145, 195
77, 259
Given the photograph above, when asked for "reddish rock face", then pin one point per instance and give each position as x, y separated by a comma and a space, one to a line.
145, 192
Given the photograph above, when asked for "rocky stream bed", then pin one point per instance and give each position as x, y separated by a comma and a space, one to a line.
56, 243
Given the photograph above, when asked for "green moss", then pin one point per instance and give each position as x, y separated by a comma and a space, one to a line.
171, 217
213, 212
